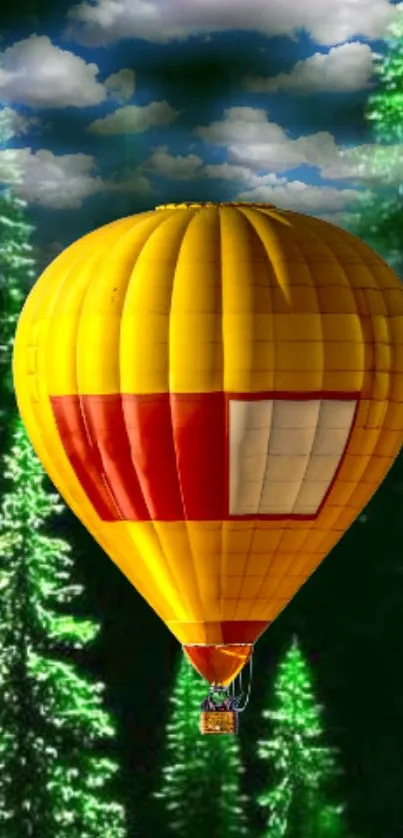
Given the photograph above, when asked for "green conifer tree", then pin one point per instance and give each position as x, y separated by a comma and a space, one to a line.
54, 731
301, 768
200, 788
16, 265
53, 728
378, 218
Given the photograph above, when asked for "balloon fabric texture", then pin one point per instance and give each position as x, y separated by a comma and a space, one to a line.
216, 390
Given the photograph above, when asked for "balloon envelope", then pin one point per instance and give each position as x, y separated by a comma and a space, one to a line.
216, 391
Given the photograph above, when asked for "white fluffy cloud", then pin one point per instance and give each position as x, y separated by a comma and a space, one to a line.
192, 167
347, 67
53, 181
244, 125
37, 73
65, 181
179, 167
34, 72
302, 197
61, 181
253, 141
262, 188
103, 21
256, 145
228, 171
134, 119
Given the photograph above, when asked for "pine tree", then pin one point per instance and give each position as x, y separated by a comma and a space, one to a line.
386, 103
301, 767
53, 728
379, 216
16, 263
201, 777
54, 731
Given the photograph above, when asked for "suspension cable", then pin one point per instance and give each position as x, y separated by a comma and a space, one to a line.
248, 692
232, 688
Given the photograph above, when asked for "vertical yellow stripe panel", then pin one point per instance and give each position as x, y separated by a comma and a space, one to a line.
195, 327
144, 340
41, 299
61, 362
196, 366
177, 549
59, 296
246, 299
99, 321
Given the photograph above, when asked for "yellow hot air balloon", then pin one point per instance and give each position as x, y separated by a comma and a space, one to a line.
216, 390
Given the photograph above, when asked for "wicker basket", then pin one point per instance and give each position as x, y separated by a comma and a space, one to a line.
219, 721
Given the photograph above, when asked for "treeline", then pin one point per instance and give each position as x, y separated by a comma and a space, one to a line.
201, 776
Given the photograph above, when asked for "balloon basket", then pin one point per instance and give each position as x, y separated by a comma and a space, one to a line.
219, 721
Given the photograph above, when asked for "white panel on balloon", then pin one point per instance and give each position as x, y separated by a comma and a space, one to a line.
284, 453
249, 431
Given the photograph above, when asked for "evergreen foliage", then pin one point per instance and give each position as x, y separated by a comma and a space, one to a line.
16, 266
301, 768
200, 788
379, 214
54, 730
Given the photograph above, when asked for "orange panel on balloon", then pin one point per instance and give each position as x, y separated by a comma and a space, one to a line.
219, 664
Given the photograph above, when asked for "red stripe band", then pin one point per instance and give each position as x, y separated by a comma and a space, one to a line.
155, 456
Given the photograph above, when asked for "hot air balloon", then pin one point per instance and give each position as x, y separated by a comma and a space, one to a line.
216, 390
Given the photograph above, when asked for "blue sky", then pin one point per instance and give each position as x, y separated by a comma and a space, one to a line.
121, 105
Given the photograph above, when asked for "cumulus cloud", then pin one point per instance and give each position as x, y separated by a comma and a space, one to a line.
347, 67
34, 72
61, 181
191, 167
253, 141
37, 73
53, 181
121, 85
96, 22
134, 119
14, 124
263, 188
244, 124
302, 197
135, 184
174, 167
227, 171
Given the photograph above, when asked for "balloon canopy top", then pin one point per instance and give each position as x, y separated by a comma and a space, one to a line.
201, 204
